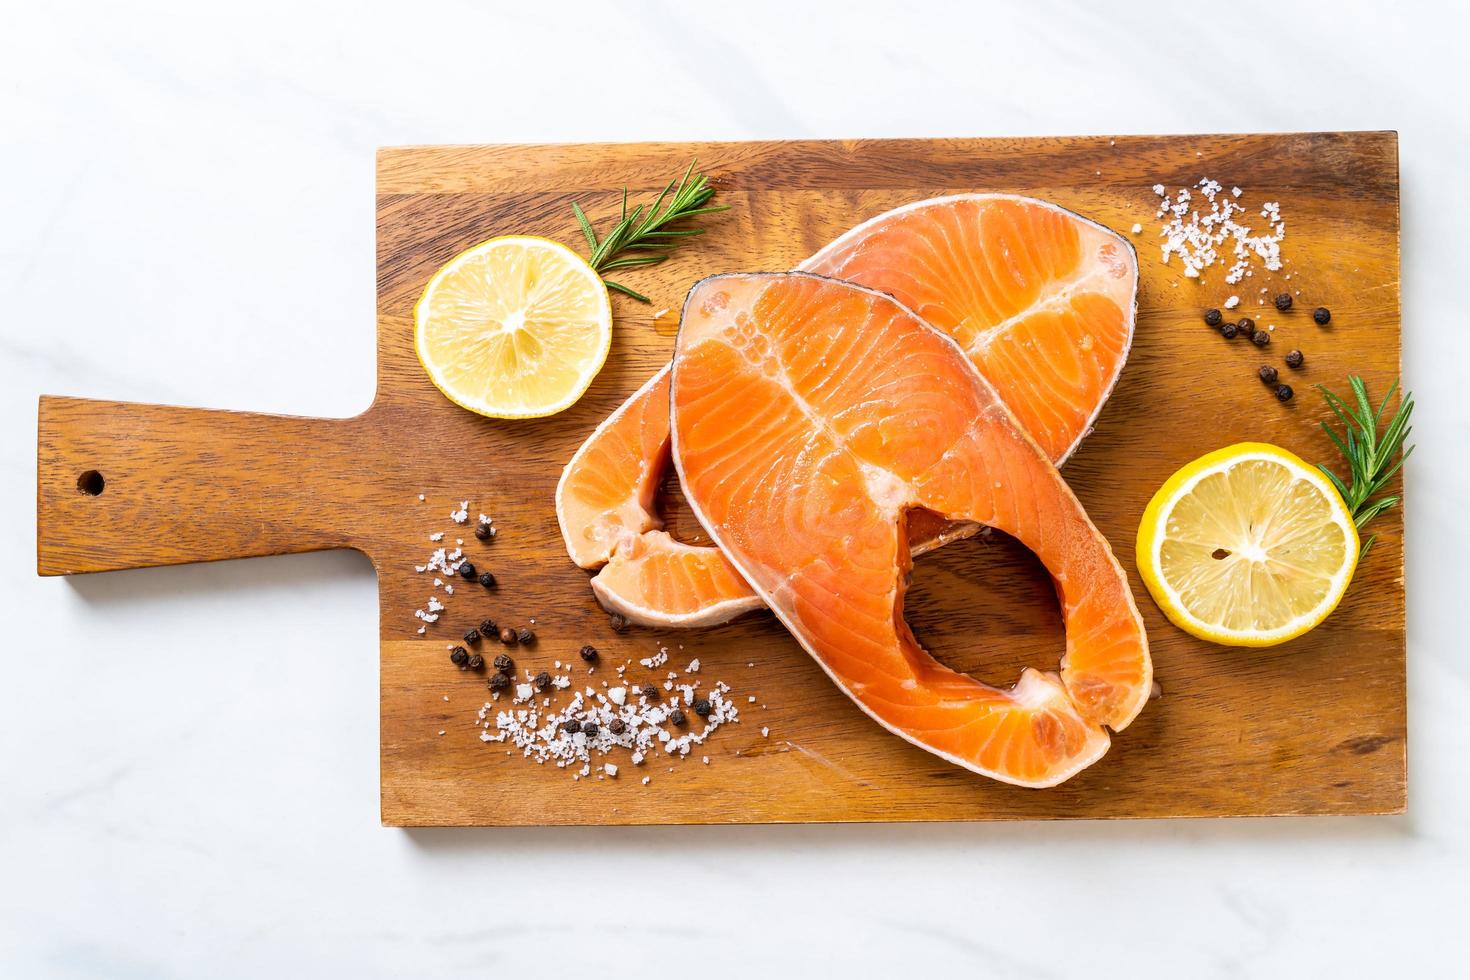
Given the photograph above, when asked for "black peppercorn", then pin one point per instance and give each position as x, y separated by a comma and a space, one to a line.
525, 636
589, 653
476, 661
1261, 338
571, 726
1228, 331
1247, 326
617, 726
650, 692
589, 728
1284, 392
1267, 374
467, 571
472, 637
1283, 301
503, 662
508, 636
459, 656
1322, 316
677, 717
1294, 358
701, 707
487, 580
499, 682
542, 681
1213, 317
484, 531
618, 622
488, 628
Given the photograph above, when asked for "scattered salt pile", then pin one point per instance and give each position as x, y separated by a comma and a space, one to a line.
1200, 240
445, 562
598, 723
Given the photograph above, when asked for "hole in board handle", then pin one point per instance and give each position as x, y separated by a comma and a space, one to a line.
91, 483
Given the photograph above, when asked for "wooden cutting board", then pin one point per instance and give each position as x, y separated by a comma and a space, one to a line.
1314, 727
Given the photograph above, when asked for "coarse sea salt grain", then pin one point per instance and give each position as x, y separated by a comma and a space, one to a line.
1199, 240
1137, 229
1232, 302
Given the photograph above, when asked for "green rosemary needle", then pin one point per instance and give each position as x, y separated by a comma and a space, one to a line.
642, 236
1373, 456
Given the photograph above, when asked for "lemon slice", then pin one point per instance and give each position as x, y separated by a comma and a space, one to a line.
514, 328
1247, 546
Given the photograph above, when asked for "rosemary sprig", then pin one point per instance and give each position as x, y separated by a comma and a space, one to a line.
1373, 457
641, 237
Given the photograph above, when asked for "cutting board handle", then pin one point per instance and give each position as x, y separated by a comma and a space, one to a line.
124, 485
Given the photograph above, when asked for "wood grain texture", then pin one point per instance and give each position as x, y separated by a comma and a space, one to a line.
1314, 727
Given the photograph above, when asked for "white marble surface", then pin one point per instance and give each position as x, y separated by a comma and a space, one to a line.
188, 757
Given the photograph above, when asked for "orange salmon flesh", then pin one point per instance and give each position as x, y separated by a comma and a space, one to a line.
809, 417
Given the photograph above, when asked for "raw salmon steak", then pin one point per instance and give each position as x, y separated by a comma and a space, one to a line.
809, 417
1041, 300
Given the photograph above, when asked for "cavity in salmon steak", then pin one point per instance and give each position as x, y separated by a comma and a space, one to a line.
809, 417
1041, 300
